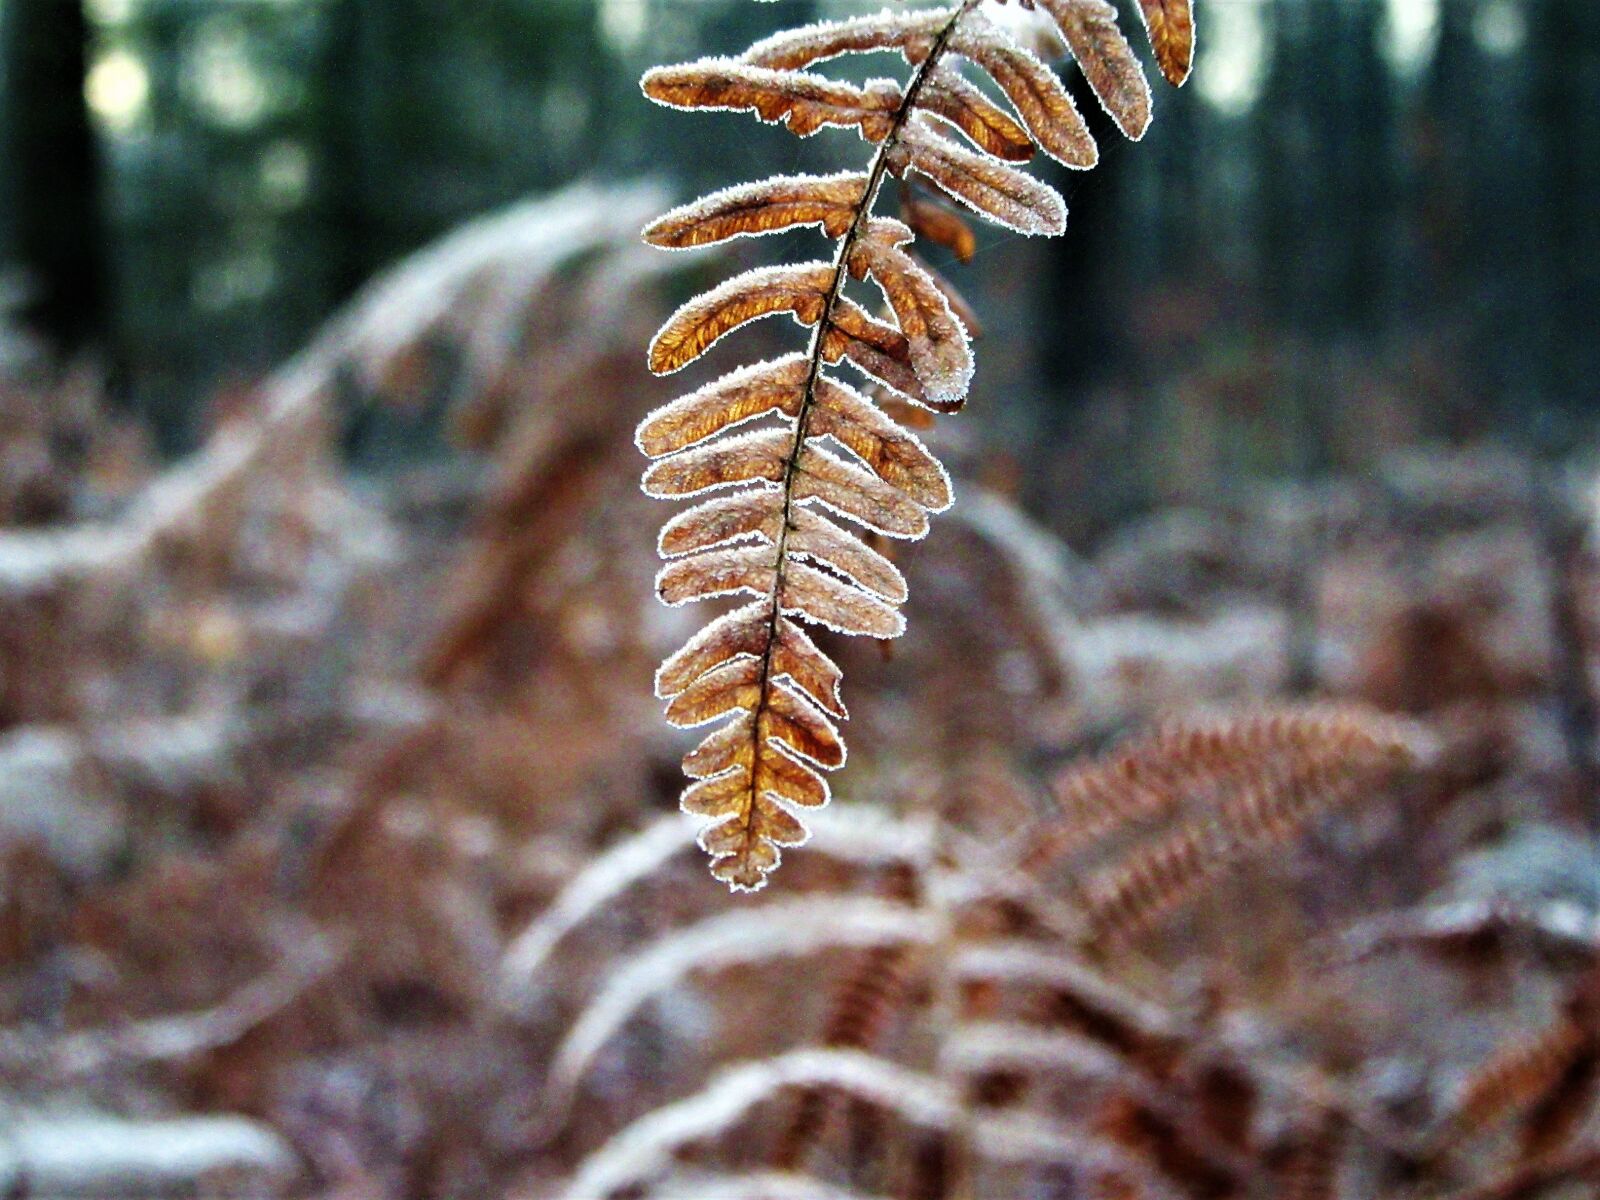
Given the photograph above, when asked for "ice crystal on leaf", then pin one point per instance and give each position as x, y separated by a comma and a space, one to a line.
771, 692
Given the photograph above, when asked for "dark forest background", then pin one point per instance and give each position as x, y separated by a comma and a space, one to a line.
1367, 221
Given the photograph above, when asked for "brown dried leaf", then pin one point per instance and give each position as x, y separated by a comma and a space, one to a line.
912, 33
736, 397
733, 745
1170, 24
863, 497
941, 226
810, 670
1033, 89
825, 599
804, 102
722, 520
991, 129
716, 573
769, 206
803, 727
1106, 59
879, 350
692, 330
729, 688
740, 632
895, 454
816, 537
936, 340
958, 303
987, 186
721, 463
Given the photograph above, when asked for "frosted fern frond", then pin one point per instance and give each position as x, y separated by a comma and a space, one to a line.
863, 838
791, 929
602, 879
646, 1149
773, 693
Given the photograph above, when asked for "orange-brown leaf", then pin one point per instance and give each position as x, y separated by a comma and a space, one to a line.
912, 33
816, 537
802, 101
803, 727
769, 206
733, 745
940, 226
857, 494
1170, 24
716, 573
825, 599
720, 463
729, 688
810, 670
743, 631
1033, 89
1106, 59
737, 397
894, 453
983, 184
692, 330
722, 520
936, 339
879, 350
991, 129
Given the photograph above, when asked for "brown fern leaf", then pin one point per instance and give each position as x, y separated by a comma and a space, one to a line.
986, 186
803, 102
989, 127
940, 226
1034, 91
1159, 1142
1272, 777
1106, 59
1154, 775
769, 206
1170, 24
774, 693
1182, 762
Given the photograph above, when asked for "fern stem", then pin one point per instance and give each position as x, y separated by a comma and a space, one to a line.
878, 169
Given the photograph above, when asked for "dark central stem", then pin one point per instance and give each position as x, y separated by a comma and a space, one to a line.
841, 263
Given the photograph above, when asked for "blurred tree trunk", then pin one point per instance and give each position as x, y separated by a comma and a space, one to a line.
50, 160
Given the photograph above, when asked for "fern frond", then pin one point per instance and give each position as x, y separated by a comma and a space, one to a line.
602, 879
646, 1149
1155, 775
871, 994
753, 670
1157, 878
791, 929
980, 1047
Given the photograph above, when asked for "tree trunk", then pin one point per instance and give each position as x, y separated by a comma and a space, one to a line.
50, 160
